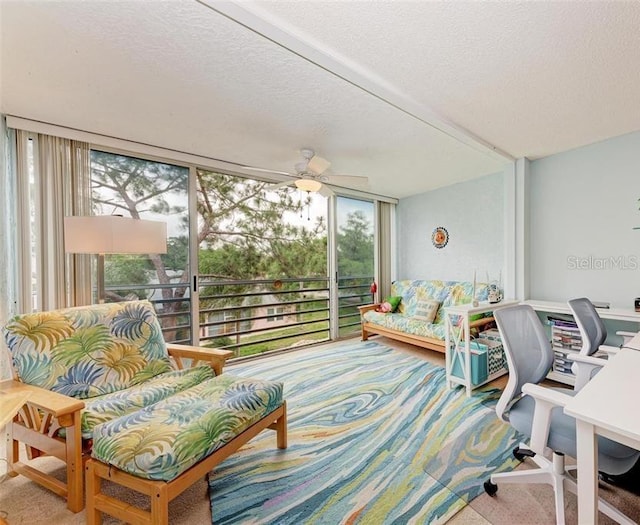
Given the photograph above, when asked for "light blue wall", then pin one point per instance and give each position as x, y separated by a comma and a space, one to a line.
473, 214
584, 206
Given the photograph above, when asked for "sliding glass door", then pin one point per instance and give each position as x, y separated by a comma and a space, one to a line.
261, 279
355, 261
262, 266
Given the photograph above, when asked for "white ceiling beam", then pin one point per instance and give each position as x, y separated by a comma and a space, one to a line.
288, 37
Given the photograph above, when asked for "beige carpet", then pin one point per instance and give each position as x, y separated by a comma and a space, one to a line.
25, 502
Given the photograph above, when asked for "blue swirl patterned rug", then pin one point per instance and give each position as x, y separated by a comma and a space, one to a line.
374, 438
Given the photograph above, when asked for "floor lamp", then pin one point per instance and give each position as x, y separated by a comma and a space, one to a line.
102, 234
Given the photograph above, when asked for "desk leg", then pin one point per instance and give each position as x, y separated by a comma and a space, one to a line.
587, 452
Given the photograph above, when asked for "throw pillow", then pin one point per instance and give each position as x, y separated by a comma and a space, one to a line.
389, 305
394, 301
426, 310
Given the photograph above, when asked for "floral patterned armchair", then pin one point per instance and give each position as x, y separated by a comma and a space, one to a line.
84, 367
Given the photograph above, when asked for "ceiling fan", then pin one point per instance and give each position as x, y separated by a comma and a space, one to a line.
310, 175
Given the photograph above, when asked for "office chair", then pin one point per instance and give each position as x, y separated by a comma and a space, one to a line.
537, 412
594, 334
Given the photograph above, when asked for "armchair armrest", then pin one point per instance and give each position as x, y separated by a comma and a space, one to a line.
58, 405
546, 400
214, 357
367, 307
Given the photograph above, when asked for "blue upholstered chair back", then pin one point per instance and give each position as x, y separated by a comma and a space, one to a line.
527, 349
591, 326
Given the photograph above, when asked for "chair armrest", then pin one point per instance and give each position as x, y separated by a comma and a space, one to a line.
367, 307
610, 350
587, 360
546, 400
585, 367
546, 394
58, 405
626, 336
215, 357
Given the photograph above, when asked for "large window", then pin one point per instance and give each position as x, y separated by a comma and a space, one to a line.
249, 267
262, 264
143, 189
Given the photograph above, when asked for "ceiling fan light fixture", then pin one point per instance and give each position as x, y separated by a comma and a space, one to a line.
309, 185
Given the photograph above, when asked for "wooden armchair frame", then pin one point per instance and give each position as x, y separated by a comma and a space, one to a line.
39, 422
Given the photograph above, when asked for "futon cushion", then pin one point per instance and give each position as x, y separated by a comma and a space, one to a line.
406, 324
101, 409
164, 439
88, 351
447, 293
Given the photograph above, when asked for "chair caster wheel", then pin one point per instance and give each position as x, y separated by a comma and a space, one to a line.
490, 488
606, 478
521, 453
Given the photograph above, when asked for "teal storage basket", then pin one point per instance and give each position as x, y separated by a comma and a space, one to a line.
479, 372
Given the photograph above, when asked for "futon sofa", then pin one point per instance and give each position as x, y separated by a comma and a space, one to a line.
103, 383
405, 325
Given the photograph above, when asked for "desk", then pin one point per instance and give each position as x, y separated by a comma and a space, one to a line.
607, 406
612, 314
458, 337
615, 314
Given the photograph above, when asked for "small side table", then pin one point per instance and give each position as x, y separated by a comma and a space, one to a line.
10, 405
458, 339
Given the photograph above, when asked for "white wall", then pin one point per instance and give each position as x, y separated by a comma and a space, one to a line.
583, 208
473, 214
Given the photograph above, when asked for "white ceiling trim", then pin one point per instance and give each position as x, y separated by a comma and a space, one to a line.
283, 34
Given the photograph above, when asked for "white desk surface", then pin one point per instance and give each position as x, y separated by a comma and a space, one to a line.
619, 314
610, 400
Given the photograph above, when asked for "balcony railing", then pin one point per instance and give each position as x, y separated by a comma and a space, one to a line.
258, 316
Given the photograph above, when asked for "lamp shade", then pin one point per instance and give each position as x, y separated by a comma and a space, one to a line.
308, 184
103, 234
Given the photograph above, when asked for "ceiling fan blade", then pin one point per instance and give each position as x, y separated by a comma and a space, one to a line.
318, 165
326, 191
265, 170
348, 181
280, 185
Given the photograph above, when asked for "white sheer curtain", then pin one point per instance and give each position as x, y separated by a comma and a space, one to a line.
385, 248
8, 232
53, 180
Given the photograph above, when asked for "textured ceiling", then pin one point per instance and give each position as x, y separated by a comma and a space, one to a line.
530, 79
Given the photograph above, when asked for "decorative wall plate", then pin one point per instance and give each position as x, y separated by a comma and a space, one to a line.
440, 237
